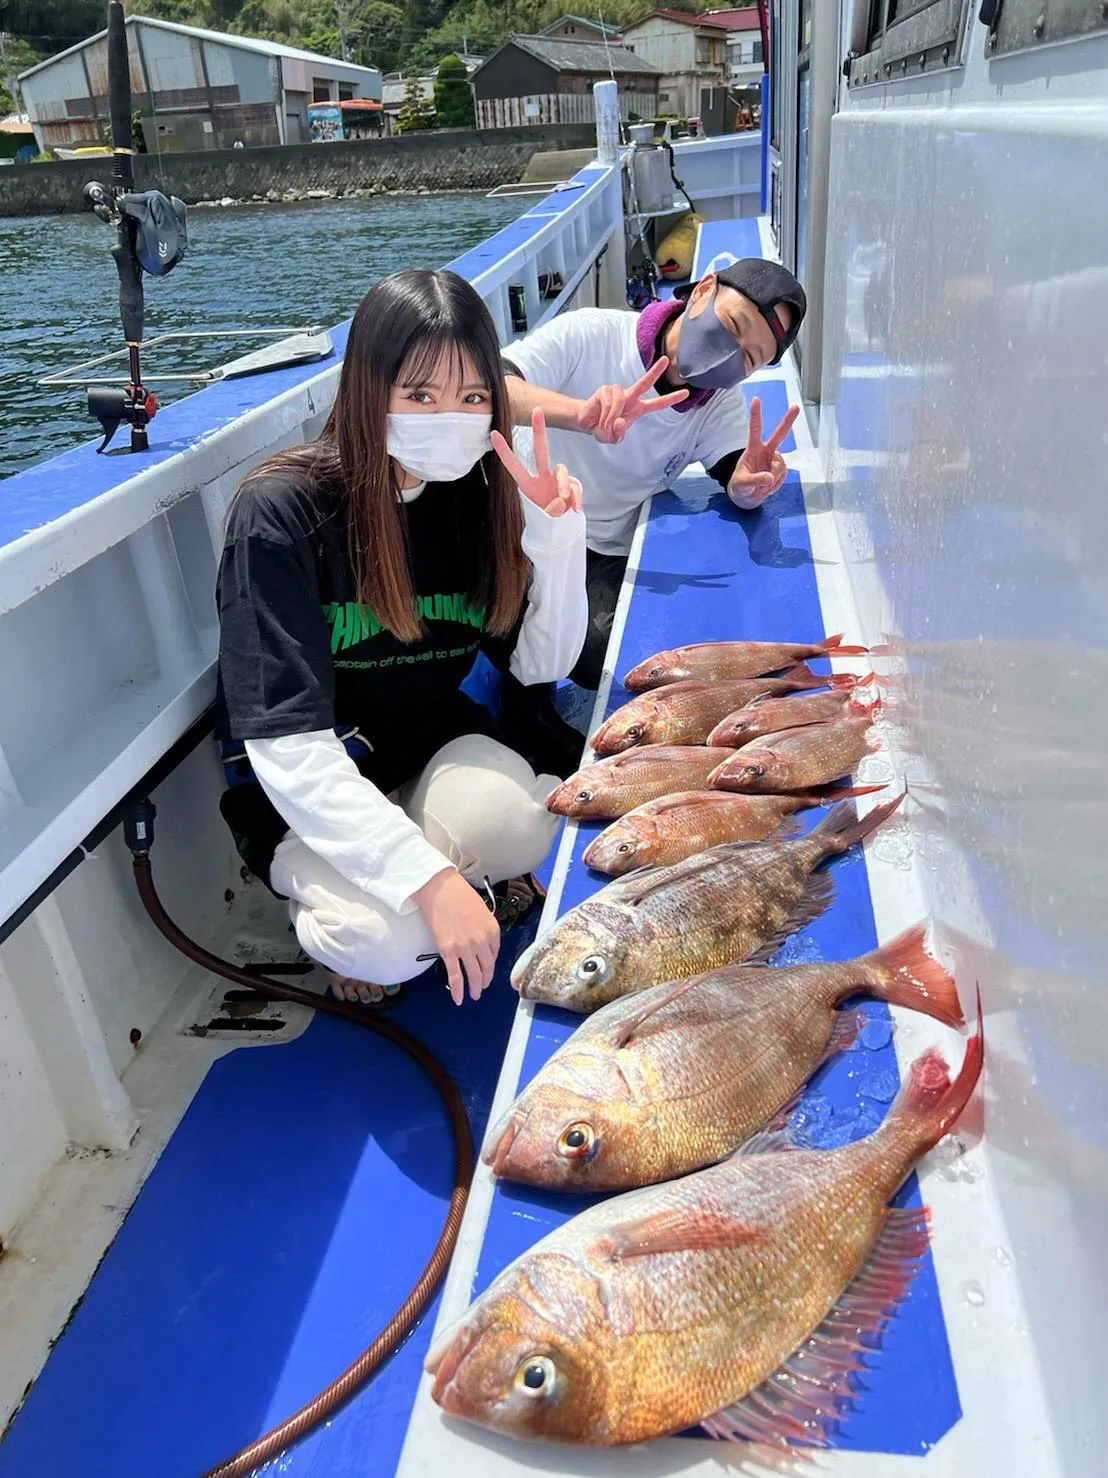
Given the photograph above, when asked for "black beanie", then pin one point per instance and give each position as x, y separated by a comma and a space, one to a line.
766, 284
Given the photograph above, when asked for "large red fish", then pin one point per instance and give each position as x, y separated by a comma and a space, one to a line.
742, 1298
664, 1082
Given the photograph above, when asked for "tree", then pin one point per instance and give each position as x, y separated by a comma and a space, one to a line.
416, 111
453, 95
15, 57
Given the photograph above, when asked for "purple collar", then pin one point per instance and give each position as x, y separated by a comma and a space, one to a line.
652, 320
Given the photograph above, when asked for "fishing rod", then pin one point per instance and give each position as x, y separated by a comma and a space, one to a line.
151, 236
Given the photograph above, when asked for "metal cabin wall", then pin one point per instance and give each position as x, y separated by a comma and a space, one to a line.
963, 429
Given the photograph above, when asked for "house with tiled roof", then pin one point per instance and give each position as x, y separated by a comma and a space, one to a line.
547, 79
696, 54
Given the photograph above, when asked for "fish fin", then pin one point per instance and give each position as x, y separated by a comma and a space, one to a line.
835, 646
774, 1137
681, 798
827, 795
628, 1029
807, 1395
842, 681
844, 1033
904, 974
689, 867
817, 895
930, 1097
843, 827
674, 1231
774, 1141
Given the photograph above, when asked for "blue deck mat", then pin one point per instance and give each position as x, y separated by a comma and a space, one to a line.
708, 571
290, 1214
726, 239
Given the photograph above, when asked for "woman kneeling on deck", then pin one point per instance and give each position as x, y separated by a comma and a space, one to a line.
361, 574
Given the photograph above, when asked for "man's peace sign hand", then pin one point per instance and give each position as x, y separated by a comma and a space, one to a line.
761, 469
611, 410
551, 489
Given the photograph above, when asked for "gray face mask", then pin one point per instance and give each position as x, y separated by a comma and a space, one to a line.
708, 354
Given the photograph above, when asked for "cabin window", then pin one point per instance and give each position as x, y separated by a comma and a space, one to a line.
891, 39
1020, 26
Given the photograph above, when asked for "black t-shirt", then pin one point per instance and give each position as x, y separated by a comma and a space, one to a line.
298, 653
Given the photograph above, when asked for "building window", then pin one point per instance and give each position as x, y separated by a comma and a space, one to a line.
346, 92
321, 90
703, 53
907, 37
758, 54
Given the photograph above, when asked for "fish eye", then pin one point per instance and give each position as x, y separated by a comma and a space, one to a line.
592, 969
578, 1142
536, 1375
635, 731
625, 847
584, 795
755, 772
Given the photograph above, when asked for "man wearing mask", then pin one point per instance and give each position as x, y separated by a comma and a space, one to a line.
669, 396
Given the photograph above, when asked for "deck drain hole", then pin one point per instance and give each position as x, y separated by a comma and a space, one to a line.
243, 1024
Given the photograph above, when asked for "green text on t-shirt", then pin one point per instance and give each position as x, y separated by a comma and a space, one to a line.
351, 622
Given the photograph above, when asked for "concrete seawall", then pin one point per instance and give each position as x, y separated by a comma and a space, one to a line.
458, 158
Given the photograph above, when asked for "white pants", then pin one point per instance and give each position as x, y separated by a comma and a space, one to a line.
479, 803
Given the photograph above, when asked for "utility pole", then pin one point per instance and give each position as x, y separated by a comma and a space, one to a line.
342, 15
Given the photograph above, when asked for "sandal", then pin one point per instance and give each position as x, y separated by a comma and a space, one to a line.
510, 902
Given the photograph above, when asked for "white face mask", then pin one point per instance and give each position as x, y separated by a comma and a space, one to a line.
438, 446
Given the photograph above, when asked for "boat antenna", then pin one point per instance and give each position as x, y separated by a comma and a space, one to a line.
151, 236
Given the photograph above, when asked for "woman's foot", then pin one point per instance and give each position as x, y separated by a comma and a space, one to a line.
365, 992
515, 899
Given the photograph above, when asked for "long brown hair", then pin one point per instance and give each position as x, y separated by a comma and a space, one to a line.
405, 325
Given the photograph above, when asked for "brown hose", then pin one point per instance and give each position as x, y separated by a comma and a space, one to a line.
400, 1325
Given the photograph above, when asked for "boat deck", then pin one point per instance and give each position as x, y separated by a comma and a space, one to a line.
305, 1186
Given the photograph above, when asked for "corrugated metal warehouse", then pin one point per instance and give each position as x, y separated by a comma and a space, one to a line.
543, 79
194, 89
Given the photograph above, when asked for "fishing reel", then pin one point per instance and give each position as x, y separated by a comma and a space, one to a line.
152, 237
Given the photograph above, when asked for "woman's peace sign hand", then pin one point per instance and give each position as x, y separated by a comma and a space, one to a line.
551, 489
609, 411
761, 469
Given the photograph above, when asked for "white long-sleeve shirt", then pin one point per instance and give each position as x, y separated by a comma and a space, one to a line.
343, 817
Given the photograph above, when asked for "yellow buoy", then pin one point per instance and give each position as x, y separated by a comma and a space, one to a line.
673, 255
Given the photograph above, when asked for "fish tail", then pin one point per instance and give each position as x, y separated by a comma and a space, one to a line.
929, 1103
868, 704
835, 645
843, 826
904, 974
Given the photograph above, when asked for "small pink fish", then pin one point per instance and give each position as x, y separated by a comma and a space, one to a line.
716, 661
797, 759
768, 715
